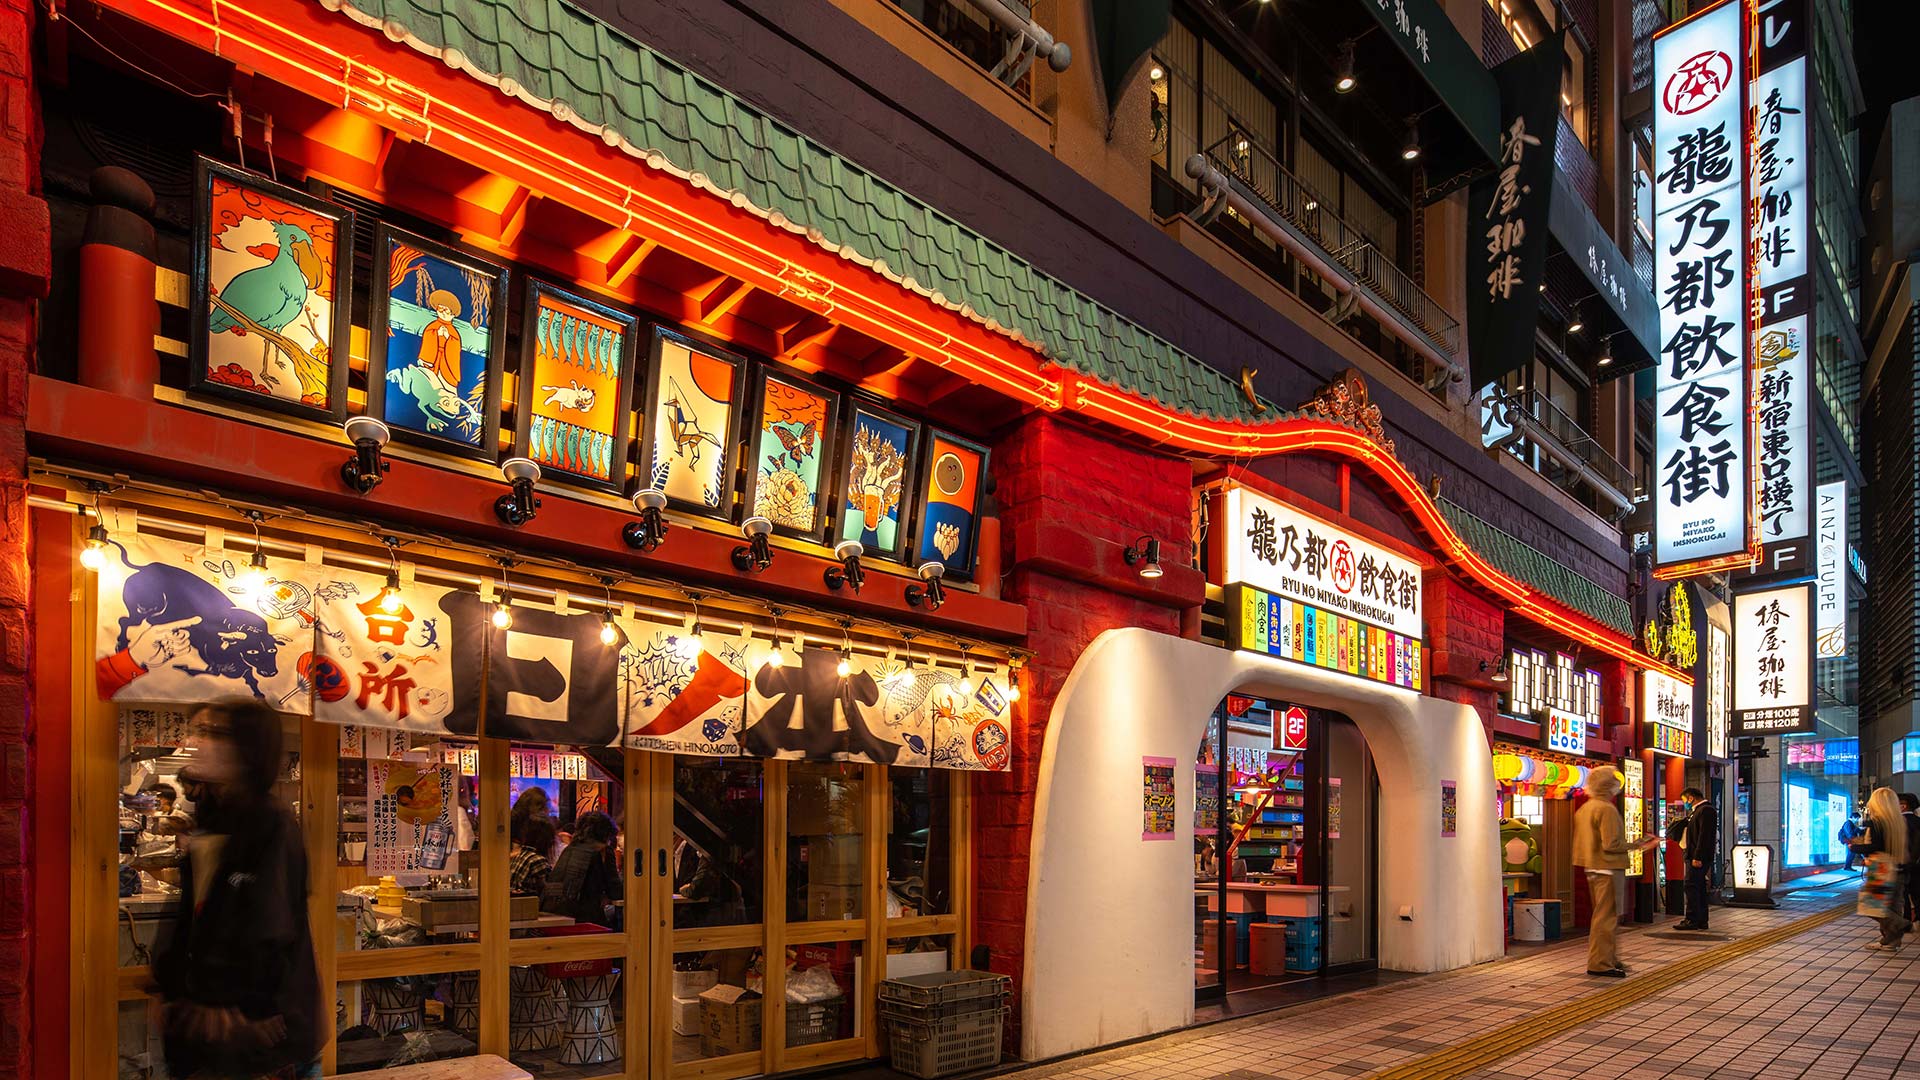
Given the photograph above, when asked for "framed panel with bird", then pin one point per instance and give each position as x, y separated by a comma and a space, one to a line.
689, 442
272, 269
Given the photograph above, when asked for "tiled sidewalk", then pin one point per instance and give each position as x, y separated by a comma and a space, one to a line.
1361, 1033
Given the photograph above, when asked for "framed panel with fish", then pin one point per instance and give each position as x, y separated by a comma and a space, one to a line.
575, 387
790, 452
876, 476
436, 342
953, 483
272, 269
693, 408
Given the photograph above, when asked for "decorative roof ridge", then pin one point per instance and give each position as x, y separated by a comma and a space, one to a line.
1539, 569
1227, 389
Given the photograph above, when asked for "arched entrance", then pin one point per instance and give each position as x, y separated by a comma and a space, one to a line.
1109, 952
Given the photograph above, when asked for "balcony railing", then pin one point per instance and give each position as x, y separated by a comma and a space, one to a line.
1336, 242
1533, 417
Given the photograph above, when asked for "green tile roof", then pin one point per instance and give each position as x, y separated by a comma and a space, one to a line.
1536, 568
563, 60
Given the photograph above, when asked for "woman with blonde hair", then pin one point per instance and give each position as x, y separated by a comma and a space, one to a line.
1885, 845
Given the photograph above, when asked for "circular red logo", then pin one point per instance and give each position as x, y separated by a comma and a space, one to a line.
1342, 563
1697, 83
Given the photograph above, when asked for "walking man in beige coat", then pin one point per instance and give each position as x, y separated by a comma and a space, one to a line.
1600, 845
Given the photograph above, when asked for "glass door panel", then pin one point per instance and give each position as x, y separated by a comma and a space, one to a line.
1348, 846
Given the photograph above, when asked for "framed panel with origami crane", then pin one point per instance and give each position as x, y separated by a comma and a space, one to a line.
576, 387
687, 445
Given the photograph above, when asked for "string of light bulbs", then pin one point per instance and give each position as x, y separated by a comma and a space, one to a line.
96, 556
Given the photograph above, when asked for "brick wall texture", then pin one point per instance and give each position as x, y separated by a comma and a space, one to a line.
24, 253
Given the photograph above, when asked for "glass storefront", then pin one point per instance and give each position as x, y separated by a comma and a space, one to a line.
1820, 779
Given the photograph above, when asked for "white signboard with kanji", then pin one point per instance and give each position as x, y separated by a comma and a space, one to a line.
1700, 280
1292, 554
1773, 661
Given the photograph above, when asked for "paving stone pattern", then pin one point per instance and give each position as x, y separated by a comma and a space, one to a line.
1816, 1005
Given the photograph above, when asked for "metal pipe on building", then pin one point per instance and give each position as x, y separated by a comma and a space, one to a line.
1034, 39
1344, 281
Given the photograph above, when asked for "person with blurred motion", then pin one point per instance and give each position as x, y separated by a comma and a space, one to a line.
1882, 843
240, 992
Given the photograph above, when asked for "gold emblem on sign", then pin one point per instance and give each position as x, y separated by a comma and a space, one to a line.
1345, 400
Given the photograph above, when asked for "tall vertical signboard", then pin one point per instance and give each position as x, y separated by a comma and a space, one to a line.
1773, 661
1830, 551
1702, 450
1781, 200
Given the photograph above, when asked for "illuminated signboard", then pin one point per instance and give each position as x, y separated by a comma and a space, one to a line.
1564, 731
1772, 658
1291, 554
1666, 704
1264, 623
1830, 545
1781, 241
1633, 774
1701, 454
1719, 645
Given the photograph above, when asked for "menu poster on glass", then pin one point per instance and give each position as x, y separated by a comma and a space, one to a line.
1206, 800
1157, 801
1449, 807
1333, 808
410, 810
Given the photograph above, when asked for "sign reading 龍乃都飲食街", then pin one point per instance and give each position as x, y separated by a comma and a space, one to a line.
1299, 557
1701, 451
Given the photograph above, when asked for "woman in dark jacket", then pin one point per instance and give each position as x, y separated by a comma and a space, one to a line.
242, 996
585, 879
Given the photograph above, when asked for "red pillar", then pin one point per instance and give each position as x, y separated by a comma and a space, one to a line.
25, 256
1070, 502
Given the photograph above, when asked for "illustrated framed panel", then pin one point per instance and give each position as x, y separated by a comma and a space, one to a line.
877, 468
437, 339
272, 292
790, 452
694, 395
575, 387
953, 476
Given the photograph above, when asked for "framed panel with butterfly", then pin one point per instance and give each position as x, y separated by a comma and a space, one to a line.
576, 386
790, 452
688, 445
953, 479
877, 469
433, 375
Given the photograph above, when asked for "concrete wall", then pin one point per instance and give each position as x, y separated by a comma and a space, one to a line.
1109, 950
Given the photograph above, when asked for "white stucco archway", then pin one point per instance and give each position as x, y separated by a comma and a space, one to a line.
1109, 945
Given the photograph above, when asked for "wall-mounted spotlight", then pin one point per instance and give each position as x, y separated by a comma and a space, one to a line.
1343, 80
1606, 352
1576, 324
518, 506
1411, 151
366, 468
650, 531
933, 594
1499, 676
848, 573
756, 555
1145, 553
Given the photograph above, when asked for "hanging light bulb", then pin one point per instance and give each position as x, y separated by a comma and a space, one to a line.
1013, 683
253, 580
608, 632
774, 657
502, 614
966, 675
94, 555
845, 667
688, 645
390, 599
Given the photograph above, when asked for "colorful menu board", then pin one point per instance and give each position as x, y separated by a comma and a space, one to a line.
1264, 623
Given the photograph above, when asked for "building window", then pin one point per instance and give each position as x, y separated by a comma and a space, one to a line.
1536, 681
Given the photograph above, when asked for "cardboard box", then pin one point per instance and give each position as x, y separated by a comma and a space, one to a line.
835, 860
686, 1016
689, 984
729, 1020
832, 903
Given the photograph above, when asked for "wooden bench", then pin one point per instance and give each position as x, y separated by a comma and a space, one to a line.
481, 1067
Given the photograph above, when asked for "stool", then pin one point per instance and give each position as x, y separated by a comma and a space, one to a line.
1268, 949
396, 1005
533, 1010
592, 1038
465, 1002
